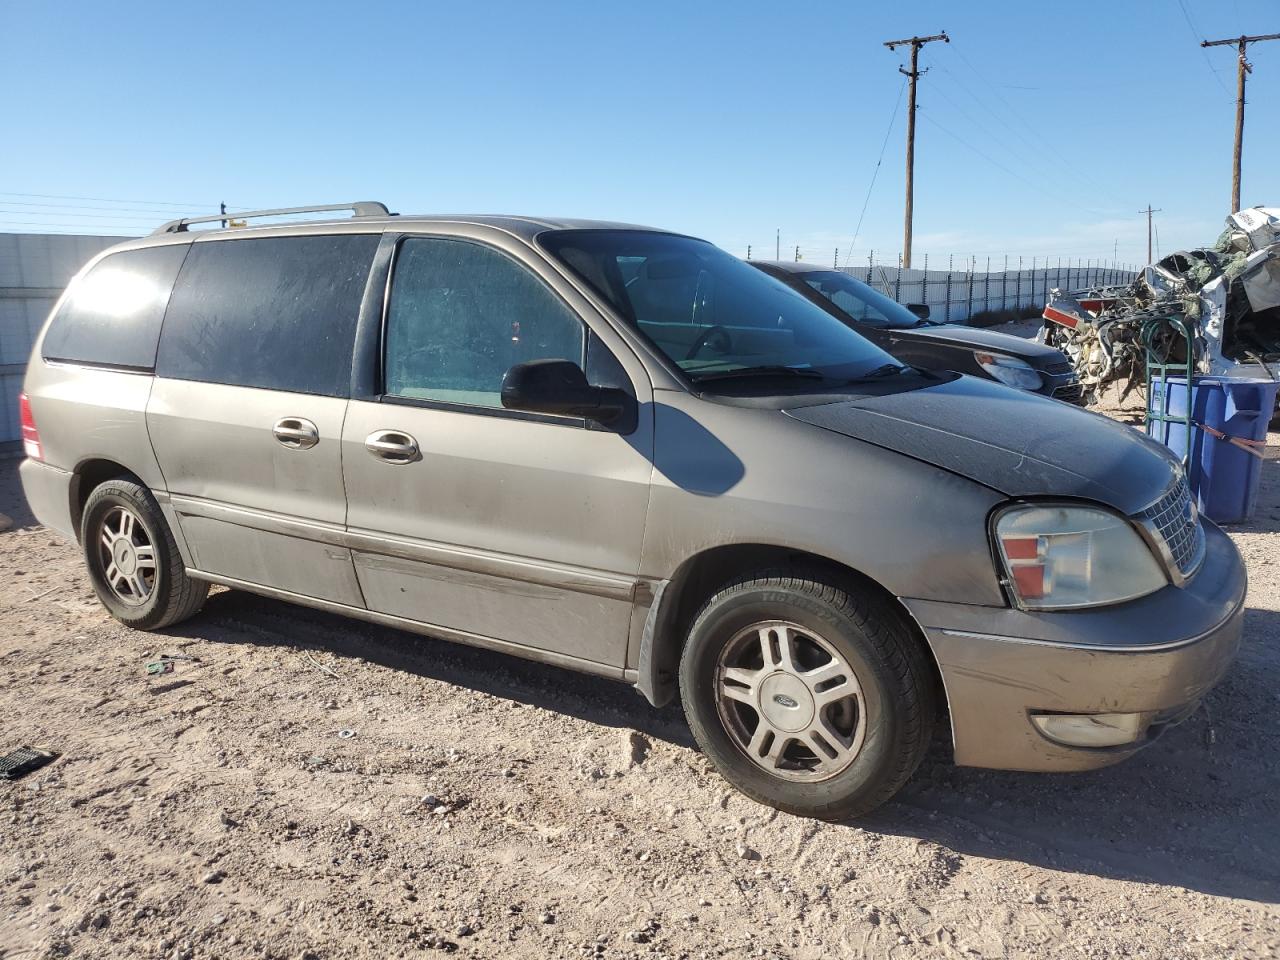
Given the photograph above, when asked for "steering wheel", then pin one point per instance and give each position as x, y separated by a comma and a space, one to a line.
724, 345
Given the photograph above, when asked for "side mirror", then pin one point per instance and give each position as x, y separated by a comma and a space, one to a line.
559, 387
921, 310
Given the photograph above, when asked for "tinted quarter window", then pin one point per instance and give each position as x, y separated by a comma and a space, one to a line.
461, 315
278, 313
112, 315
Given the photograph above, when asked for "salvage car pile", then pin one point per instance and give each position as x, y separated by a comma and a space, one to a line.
1224, 301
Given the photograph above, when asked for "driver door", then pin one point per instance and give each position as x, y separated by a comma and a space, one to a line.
504, 528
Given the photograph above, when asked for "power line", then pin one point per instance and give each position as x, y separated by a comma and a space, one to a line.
79, 227
876, 172
1053, 150
80, 206
987, 109
940, 89
1013, 173
992, 136
1204, 53
81, 216
201, 205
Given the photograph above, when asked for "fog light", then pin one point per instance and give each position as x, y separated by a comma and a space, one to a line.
1092, 729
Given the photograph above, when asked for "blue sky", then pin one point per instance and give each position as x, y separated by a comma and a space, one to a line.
1043, 128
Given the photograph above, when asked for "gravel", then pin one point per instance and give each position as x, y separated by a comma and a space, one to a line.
330, 848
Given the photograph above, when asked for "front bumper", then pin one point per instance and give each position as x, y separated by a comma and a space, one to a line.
1159, 654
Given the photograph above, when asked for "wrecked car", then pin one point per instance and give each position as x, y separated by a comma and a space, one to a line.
1223, 301
910, 336
624, 451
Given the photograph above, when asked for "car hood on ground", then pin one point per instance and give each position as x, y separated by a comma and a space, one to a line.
979, 339
1017, 443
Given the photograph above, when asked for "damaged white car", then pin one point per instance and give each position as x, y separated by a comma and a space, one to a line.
1225, 299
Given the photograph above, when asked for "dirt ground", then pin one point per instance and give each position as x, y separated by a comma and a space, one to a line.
490, 807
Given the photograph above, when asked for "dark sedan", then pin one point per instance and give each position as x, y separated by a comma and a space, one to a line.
914, 339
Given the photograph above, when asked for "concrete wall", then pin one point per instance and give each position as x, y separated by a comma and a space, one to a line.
34, 270
955, 295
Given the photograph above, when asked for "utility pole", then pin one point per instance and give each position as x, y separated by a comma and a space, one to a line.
912, 75
1149, 212
777, 244
1243, 66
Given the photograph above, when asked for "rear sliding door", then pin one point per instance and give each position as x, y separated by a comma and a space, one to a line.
253, 374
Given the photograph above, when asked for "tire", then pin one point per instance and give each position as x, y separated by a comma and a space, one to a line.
892, 700
152, 589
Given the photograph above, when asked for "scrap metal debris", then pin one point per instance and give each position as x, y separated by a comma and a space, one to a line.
167, 662
320, 666
1226, 298
23, 761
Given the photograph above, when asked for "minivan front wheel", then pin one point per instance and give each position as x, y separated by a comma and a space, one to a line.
133, 560
807, 696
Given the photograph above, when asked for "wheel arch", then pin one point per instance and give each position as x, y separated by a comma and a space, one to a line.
677, 600
88, 475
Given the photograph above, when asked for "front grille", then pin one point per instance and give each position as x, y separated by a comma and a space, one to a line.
1070, 393
1174, 521
1059, 366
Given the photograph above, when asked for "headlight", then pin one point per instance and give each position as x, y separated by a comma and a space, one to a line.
1010, 371
1069, 556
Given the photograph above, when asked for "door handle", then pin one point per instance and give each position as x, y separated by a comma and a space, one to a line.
296, 433
392, 446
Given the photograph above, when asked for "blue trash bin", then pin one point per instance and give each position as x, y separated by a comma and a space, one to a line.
1223, 477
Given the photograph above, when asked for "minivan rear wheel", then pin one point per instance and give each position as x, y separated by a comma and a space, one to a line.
808, 696
133, 561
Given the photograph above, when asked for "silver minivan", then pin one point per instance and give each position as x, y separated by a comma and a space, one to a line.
624, 451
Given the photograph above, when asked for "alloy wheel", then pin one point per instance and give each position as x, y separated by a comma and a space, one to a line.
790, 701
128, 556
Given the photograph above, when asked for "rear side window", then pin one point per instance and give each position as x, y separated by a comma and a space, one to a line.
277, 313
112, 314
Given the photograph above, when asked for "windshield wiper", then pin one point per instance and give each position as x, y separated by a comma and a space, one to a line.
884, 370
775, 370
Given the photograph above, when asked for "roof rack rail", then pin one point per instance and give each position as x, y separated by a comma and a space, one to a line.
361, 208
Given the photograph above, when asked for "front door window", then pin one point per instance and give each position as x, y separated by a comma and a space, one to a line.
461, 315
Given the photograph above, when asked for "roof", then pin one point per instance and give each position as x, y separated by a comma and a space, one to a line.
521, 226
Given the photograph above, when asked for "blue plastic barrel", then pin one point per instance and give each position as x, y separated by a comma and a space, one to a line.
1223, 477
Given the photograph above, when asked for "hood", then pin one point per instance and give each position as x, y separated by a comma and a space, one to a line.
979, 339
1017, 443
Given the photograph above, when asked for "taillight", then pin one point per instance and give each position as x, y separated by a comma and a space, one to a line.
30, 435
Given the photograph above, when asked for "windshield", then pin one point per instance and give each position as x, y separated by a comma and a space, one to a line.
860, 301
712, 314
